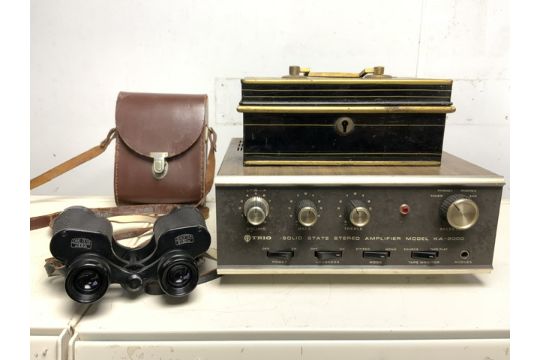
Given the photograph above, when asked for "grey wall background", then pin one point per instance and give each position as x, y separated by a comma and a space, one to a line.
84, 52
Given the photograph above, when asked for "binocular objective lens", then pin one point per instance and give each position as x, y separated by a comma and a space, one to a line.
88, 281
179, 276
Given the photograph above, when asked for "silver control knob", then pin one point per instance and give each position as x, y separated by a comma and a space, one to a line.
256, 210
460, 212
307, 213
359, 214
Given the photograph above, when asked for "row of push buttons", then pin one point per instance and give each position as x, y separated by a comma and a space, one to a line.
332, 255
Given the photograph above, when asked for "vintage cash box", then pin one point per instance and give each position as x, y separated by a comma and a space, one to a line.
365, 118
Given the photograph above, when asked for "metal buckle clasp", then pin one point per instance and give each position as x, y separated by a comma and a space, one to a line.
160, 165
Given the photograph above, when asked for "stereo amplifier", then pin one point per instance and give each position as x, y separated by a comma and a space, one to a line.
354, 220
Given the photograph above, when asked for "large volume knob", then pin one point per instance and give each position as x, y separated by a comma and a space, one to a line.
307, 213
460, 212
359, 214
256, 210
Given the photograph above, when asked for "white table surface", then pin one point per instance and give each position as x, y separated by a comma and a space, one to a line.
254, 312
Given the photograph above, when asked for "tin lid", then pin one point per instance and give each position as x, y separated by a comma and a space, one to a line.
370, 90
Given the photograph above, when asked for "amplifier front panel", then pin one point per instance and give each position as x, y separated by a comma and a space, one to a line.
406, 229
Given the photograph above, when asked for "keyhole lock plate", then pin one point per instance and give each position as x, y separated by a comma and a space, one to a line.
344, 125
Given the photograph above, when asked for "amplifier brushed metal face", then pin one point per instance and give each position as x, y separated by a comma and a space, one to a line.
320, 226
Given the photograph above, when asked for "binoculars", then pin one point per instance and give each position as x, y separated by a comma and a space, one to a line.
84, 243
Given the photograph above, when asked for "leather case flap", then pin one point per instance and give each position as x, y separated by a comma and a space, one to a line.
168, 123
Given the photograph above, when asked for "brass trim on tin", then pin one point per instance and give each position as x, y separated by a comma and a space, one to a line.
354, 90
343, 153
339, 81
344, 109
339, 162
347, 96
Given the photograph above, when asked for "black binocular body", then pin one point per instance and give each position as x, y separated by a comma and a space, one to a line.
84, 243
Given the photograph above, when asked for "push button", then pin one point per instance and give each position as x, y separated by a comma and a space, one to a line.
381, 255
430, 255
328, 255
281, 255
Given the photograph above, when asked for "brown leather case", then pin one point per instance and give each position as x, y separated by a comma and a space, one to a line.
174, 127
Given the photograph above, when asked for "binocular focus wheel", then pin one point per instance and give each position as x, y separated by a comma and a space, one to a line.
87, 280
178, 274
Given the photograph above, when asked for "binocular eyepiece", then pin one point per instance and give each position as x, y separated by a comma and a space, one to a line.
84, 243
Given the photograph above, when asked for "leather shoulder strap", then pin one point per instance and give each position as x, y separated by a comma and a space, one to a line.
211, 162
38, 222
73, 162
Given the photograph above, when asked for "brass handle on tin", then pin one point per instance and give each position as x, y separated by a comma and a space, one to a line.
297, 71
